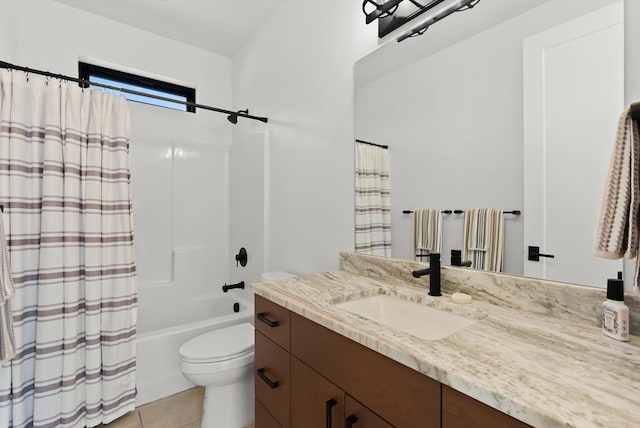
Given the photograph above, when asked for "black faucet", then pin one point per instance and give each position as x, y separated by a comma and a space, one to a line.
226, 287
434, 271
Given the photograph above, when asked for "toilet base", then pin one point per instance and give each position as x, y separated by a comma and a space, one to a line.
229, 406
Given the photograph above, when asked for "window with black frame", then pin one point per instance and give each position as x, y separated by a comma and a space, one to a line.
140, 88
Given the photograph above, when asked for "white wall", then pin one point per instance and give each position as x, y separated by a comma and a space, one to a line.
8, 31
298, 70
454, 124
179, 160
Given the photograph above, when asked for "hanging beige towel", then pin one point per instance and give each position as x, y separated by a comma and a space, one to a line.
483, 239
617, 229
427, 232
7, 338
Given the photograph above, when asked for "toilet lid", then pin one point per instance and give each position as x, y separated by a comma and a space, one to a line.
223, 344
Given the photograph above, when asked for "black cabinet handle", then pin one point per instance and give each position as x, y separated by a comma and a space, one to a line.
330, 403
352, 419
534, 254
266, 320
272, 384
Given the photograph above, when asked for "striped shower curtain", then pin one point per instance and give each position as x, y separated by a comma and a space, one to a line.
373, 201
64, 184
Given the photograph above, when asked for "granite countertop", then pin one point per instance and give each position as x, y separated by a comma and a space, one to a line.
542, 369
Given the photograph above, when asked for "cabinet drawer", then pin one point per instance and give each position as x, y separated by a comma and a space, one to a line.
264, 418
461, 411
273, 321
358, 415
400, 395
273, 378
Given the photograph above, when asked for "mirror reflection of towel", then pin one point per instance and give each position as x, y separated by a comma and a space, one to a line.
617, 232
7, 337
483, 239
427, 232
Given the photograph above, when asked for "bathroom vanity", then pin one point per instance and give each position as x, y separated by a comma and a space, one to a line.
321, 364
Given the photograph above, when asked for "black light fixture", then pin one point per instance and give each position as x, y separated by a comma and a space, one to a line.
379, 9
233, 117
456, 6
393, 14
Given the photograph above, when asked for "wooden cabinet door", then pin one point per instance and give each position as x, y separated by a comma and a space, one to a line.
462, 411
359, 416
315, 402
402, 396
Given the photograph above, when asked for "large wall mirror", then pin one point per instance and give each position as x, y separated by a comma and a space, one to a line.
511, 105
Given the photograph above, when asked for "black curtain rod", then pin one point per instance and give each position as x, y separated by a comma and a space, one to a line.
372, 144
514, 212
129, 91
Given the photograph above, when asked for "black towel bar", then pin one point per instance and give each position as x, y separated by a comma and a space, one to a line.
514, 212
411, 212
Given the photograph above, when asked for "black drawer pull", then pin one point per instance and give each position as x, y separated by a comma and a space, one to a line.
330, 403
351, 420
266, 320
272, 384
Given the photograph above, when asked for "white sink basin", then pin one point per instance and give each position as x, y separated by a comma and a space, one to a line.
409, 317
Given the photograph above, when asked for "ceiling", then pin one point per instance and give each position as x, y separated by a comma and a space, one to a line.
219, 26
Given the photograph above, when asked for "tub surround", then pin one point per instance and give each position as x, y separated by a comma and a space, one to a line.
537, 353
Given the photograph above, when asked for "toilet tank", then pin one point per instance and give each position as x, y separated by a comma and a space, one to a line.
273, 276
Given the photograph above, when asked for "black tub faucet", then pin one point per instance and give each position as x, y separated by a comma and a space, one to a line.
434, 271
226, 287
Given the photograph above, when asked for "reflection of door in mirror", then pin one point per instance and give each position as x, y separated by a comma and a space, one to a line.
573, 95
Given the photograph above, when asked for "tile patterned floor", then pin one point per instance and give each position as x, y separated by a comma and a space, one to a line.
181, 410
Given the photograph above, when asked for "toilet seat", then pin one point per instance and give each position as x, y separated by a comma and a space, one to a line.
221, 345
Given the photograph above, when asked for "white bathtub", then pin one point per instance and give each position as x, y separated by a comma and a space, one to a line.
158, 361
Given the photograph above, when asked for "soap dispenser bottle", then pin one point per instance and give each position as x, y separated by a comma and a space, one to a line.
615, 314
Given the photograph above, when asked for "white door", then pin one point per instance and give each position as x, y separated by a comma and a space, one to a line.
573, 96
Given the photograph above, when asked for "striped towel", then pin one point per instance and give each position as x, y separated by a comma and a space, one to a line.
483, 239
617, 229
427, 232
7, 337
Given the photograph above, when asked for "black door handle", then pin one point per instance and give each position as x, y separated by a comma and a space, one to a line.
534, 254
330, 403
266, 320
351, 419
272, 384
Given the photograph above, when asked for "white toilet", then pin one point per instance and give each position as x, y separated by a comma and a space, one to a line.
222, 362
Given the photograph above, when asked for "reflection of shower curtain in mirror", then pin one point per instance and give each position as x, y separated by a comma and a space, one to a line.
373, 201
64, 184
